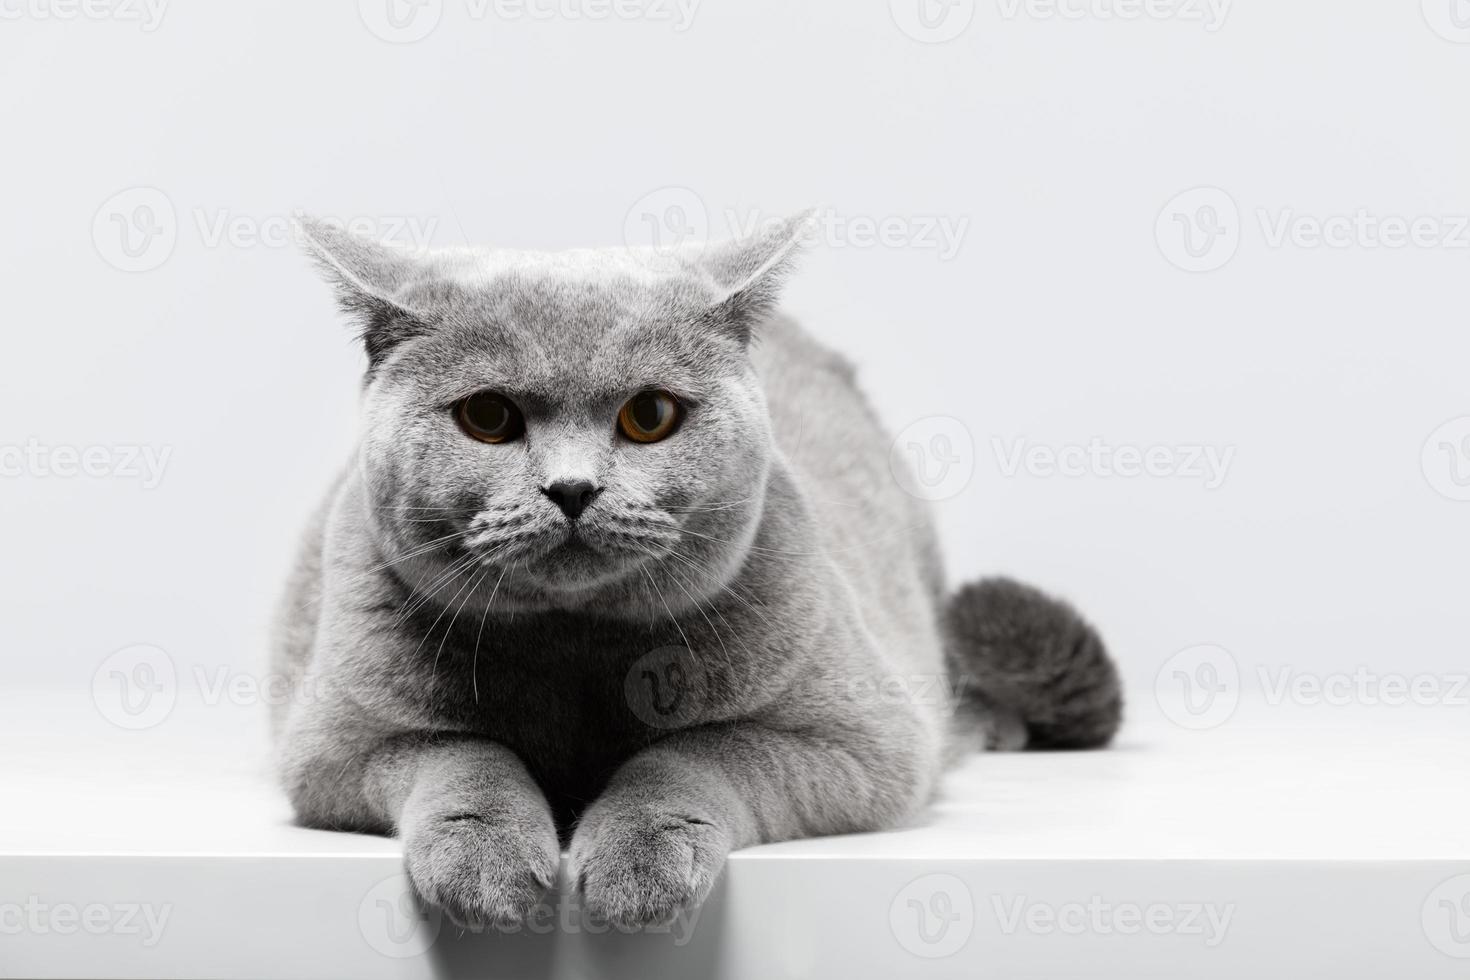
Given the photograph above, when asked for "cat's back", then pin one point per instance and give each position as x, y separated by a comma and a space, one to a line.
838, 450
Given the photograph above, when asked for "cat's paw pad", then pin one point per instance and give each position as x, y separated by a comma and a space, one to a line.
646, 868
480, 873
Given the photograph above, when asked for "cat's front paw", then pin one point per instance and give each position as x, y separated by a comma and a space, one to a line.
480, 873
644, 866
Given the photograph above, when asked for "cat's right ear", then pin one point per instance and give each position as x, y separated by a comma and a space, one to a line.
752, 272
366, 276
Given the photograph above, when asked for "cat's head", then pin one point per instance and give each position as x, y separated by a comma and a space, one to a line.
562, 424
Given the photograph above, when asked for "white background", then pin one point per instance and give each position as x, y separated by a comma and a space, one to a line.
1059, 144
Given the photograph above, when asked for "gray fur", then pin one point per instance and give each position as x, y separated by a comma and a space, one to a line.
742, 644
1034, 664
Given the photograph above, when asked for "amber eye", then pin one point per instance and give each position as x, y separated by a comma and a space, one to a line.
650, 416
490, 417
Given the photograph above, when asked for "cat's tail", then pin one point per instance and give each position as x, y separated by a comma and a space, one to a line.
1029, 671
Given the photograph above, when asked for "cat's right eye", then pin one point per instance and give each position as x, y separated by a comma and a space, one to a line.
490, 417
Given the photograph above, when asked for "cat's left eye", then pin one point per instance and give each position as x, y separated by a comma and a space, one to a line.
650, 416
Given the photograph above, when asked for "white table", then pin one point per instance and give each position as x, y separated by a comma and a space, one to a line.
1286, 842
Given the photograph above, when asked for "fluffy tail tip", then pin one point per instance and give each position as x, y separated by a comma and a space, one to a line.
1033, 668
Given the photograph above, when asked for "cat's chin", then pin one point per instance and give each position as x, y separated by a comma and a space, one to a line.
576, 568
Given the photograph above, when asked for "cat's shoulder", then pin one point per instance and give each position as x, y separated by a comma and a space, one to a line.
784, 345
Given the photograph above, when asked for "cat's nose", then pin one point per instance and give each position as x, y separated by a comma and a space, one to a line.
572, 496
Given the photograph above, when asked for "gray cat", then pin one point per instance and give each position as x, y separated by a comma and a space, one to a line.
620, 566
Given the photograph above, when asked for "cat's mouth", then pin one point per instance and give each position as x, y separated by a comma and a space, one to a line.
577, 558
573, 556
574, 545
497, 547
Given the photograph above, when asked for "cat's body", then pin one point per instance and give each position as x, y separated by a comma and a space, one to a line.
739, 640
550, 684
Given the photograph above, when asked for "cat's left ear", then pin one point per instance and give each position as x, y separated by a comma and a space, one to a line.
752, 272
